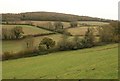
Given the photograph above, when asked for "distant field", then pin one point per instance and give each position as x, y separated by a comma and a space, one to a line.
28, 30
67, 24
18, 45
82, 30
48, 24
93, 23
102, 64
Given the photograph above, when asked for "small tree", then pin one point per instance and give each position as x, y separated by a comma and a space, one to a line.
42, 49
116, 30
77, 42
18, 31
73, 24
116, 26
62, 44
106, 33
48, 42
89, 39
65, 44
58, 25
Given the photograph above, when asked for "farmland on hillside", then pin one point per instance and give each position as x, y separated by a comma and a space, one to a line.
49, 24
82, 30
32, 30
50, 45
28, 30
67, 24
19, 45
103, 63
93, 23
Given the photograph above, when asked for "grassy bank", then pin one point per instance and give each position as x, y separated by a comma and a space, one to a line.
93, 63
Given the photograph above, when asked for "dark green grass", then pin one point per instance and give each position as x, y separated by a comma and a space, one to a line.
94, 63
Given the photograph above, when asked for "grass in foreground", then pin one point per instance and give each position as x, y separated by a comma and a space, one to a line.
94, 63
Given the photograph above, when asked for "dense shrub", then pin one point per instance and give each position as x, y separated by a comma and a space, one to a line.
47, 45
42, 49
116, 30
21, 54
78, 42
17, 31
48, 42
7, 55
116, 27
73, 24
58, 25
106, 33
65, 44
110, 33
89, 39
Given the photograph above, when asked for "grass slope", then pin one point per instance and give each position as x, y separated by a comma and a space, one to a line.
27, 29
98, 62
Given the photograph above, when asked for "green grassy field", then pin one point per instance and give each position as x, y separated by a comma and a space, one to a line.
94, 63
28, 30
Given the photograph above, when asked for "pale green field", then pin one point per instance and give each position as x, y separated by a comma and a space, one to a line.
94, 63
28, 30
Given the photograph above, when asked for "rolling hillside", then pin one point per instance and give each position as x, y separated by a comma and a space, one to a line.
82, 64
28, 30
47, 16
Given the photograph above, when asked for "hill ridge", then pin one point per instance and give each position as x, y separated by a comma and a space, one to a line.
48, 16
